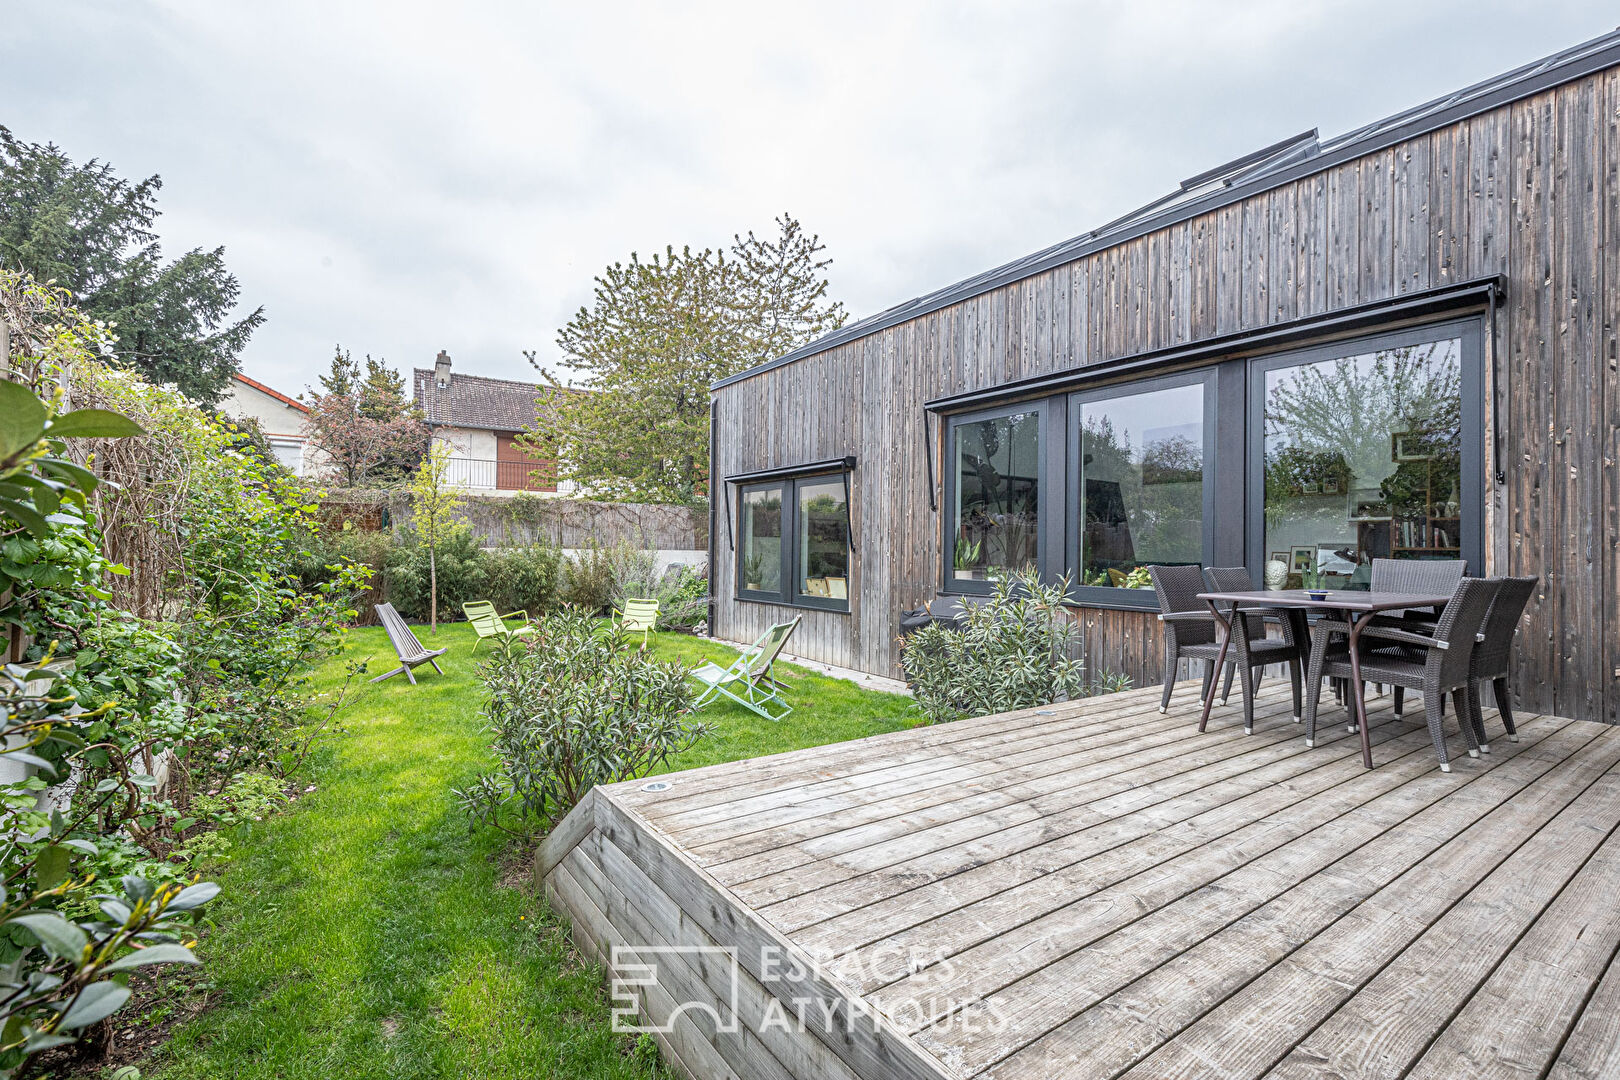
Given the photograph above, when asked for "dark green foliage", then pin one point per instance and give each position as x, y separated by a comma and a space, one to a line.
574, 708
1014, 652
522, 579
588, 578
91, 231
461, 574
63, 946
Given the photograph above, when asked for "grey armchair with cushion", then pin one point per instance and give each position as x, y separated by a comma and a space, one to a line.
1435, 664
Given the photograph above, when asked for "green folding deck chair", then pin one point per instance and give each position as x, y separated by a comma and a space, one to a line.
638, 616
487, 624
748, 680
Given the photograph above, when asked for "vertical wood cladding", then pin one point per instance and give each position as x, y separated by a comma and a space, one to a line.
1530, 191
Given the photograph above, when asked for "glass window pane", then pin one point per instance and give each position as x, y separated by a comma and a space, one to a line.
823, 539
761, 548
1141, 485
1363, 458
997, 496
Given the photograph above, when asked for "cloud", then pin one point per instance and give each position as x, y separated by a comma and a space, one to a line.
406, 177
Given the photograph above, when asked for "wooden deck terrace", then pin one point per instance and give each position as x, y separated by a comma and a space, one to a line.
1094, 890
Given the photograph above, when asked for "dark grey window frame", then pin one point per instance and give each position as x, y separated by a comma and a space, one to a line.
1234, 484
744, 593
1210, 378
790, 595
1049, 518
1471, 331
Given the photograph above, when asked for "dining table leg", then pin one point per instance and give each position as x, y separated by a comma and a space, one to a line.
1220, 661
1357, 690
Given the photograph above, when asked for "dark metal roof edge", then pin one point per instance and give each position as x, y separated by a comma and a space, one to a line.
1445, 298
1262, 154
1582, 60
839, 464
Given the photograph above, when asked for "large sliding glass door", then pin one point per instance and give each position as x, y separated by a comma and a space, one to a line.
1366, 450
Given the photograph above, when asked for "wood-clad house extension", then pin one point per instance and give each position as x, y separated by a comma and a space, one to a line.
1453, 272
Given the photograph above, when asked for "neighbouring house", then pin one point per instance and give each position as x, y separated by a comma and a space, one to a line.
1400, 342
481, 419
279, 417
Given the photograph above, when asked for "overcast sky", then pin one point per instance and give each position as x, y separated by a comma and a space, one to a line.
405, 177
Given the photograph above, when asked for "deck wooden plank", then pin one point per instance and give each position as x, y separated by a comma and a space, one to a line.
1048, 922
864, 1040
1396, 1016
1592, 1051
1134, 989
1100, 892
1207, 797
791, 813
909, 820
1517, 1021
731, 781
1245, 1035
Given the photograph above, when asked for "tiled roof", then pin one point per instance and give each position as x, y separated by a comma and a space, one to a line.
474, 401
277, 394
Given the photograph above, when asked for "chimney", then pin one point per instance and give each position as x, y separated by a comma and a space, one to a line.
441, 370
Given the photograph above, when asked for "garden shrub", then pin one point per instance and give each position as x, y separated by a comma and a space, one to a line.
587, 579
682, 593
63, 947
1013, 652
522, 578
461, 573
574, 708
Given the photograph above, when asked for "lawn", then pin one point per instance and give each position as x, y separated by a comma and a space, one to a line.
368, 932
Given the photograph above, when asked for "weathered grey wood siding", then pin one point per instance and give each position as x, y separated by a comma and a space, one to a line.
1530, 191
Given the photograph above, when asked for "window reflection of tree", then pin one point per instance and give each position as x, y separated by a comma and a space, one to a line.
1138, 503
762, 548
1329, 429
825, 521
998, 492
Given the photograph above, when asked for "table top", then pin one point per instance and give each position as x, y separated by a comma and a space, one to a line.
1337, 600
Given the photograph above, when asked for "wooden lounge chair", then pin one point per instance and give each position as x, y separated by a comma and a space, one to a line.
637, 616
487, 624
411, 652
748, 680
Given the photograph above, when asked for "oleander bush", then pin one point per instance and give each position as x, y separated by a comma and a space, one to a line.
572, 708
1015, 651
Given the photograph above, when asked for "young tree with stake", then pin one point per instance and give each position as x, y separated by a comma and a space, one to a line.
436, 507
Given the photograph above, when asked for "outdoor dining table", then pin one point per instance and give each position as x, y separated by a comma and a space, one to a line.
1357, 607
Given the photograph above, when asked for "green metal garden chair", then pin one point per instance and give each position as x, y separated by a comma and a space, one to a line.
638, 617
748, 680
487, 624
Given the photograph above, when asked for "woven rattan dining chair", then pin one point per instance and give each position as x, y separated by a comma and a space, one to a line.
1189, 628
1494, 652
1251, 648
1437, 577
1437, 664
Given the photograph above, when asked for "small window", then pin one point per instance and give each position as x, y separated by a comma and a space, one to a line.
794, 542
995, 497
760, 554
1141, 453
822, 532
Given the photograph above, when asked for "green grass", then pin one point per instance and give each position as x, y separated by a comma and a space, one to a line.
367, 931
